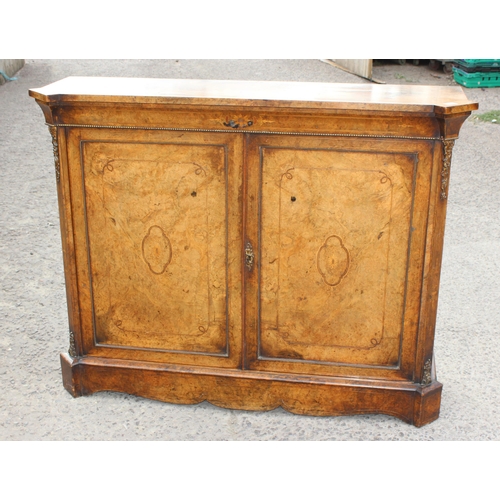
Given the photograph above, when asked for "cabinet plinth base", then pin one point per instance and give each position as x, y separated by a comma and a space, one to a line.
246, 390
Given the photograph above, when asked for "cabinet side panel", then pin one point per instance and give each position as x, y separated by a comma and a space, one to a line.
433, 256
64, 191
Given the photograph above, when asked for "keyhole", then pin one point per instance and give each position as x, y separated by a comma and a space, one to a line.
293, 198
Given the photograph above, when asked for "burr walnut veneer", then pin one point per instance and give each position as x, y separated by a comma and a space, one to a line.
254, 244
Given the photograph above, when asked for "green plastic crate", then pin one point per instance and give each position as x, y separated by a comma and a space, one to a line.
475, 80
479, 63
473, 68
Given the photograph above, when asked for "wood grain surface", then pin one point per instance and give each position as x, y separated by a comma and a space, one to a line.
335, 227
256, 93
154, 230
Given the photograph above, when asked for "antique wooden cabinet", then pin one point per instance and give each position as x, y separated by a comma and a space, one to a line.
254, 244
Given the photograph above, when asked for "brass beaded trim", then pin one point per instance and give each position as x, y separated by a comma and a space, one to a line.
246, 131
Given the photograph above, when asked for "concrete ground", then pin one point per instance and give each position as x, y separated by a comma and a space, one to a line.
33, 321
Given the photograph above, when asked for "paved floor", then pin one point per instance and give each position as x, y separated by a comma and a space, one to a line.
33, 403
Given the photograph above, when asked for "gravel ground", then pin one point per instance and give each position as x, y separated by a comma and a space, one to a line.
35, 407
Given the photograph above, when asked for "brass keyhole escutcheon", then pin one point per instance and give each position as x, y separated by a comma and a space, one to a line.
238, 123
249, 256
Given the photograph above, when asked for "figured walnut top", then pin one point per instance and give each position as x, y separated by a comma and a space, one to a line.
335, 96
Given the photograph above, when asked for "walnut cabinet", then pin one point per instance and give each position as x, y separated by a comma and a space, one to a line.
254, 244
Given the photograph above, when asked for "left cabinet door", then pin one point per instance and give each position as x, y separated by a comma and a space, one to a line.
157, 244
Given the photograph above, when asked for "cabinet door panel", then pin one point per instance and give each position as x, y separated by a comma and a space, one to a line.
334, 232
157, 217
157, 244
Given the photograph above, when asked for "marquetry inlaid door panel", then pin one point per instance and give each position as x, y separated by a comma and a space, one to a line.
332, 246
159, 213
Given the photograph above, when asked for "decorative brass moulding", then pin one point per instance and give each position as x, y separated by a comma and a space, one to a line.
426, 379
72, 345
445, 172
55, 147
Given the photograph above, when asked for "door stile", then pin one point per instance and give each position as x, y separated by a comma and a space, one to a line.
244, 363
250, 251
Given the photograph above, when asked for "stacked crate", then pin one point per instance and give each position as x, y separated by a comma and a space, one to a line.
474, 73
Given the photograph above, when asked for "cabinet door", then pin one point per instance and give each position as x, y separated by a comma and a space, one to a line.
154, 213
337, 228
